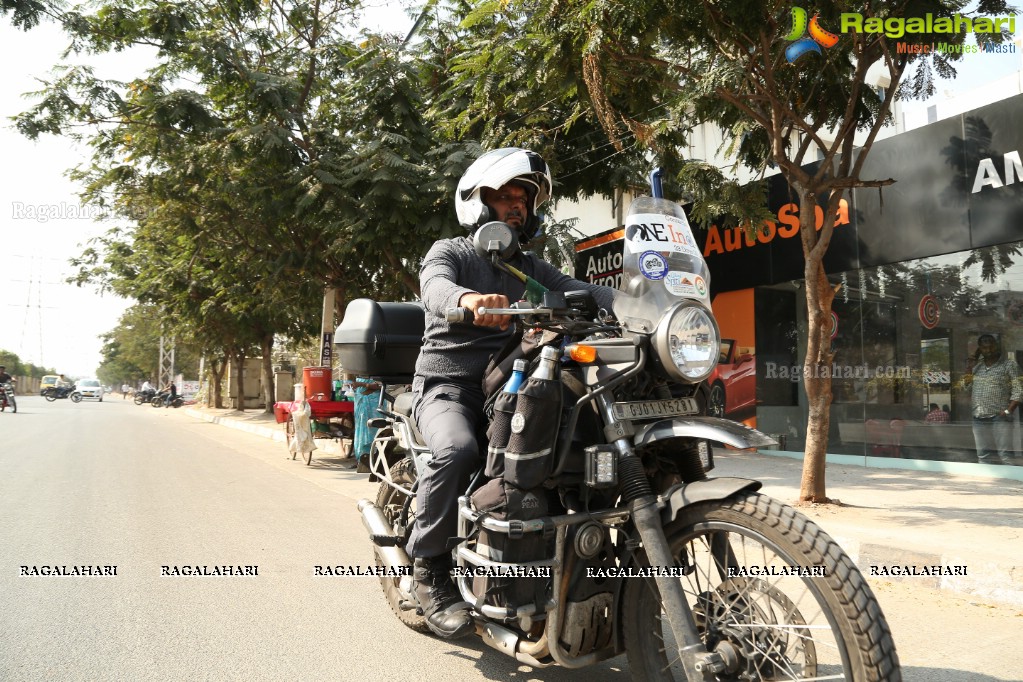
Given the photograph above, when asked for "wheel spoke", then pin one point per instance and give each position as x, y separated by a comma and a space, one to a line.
769, 624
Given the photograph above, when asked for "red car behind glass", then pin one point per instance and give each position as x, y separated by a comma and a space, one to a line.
732, 385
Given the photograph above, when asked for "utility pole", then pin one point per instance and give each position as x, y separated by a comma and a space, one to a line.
166, 362
327, 328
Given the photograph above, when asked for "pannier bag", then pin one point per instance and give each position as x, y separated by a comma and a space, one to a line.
506, 502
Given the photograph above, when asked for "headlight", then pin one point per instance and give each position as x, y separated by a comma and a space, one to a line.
687, 341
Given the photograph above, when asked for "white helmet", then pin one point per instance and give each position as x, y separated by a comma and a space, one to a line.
494, 170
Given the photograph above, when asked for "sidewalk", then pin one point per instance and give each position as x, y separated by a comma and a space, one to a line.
886, 517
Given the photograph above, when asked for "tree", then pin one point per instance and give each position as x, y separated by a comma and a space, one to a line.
651, 70
264, 157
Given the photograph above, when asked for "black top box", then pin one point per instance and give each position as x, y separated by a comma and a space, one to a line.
381, 340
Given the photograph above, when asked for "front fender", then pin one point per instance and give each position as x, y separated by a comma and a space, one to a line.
707, 428
683, 495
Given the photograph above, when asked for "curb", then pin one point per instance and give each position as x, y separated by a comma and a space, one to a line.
275, 432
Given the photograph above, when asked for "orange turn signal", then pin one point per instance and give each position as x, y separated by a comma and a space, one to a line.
582, 353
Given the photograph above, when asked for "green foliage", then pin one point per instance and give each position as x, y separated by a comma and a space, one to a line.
131, 351
267, 154
17, 368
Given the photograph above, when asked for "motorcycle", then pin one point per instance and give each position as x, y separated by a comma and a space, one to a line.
160, 399
7, 397
142, 397
593, 529
60, 392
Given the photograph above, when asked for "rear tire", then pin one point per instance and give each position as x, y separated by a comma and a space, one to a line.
390, 502
49, 395
769, 626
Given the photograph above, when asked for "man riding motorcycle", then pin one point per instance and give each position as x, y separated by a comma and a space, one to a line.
509, 185
5, 378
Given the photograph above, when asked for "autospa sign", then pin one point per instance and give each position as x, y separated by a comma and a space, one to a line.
599, 258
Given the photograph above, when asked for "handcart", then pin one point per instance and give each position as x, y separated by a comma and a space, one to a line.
333, 419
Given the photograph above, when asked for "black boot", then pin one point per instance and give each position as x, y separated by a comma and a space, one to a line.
446, 614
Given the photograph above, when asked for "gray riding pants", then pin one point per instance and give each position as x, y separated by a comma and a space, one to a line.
450, 418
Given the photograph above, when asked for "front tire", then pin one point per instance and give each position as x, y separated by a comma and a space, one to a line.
76, 397
13, 403
767, 626
390, 502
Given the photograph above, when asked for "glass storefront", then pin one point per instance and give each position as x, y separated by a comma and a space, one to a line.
905, 342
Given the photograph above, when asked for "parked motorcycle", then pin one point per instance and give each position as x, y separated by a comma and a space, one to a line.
593, 529
7, 397
60, 392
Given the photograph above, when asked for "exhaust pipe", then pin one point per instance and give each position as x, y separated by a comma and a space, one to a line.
510, 644
394, 557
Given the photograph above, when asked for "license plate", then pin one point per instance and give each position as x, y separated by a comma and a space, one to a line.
652, 409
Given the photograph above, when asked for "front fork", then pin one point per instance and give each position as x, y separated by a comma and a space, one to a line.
698, 663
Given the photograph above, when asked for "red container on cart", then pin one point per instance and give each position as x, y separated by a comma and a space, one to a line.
317, 383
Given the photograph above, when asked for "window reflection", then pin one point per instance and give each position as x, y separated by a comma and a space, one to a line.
904, 339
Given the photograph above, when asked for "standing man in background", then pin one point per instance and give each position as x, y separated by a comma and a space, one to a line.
996, 394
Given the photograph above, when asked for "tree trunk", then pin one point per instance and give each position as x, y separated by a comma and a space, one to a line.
818, 361
239, 386
817, 381
409, 279
216, 371
267, 373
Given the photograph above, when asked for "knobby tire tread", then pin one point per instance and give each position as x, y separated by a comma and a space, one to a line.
870, 639
401, 472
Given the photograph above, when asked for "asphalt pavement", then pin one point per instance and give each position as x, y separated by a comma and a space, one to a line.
952, 532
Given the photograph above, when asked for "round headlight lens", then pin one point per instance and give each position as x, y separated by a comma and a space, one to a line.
689, 341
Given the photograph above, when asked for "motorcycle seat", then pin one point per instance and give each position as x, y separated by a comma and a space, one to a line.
403, 403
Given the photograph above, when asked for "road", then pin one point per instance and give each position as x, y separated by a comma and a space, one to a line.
112, 484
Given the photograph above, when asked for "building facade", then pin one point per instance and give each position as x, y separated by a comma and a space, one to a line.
925, 267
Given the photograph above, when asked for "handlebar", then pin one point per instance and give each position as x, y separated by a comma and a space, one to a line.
466, 316
459, 315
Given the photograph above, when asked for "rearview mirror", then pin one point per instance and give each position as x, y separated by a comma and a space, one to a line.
495, 238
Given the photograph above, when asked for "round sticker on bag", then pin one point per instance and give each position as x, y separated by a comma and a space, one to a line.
653, 265
518, 422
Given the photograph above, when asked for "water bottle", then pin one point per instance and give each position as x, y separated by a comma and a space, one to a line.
547, 369
500, 425
517, 377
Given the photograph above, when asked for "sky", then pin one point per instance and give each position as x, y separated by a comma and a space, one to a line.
43, 225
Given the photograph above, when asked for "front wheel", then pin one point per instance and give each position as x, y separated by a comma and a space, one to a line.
13, 403
391, 502
770, 591
76, 397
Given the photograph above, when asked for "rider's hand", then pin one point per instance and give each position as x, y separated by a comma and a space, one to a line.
475, 301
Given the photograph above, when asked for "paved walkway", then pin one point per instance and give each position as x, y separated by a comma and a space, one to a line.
888, 519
